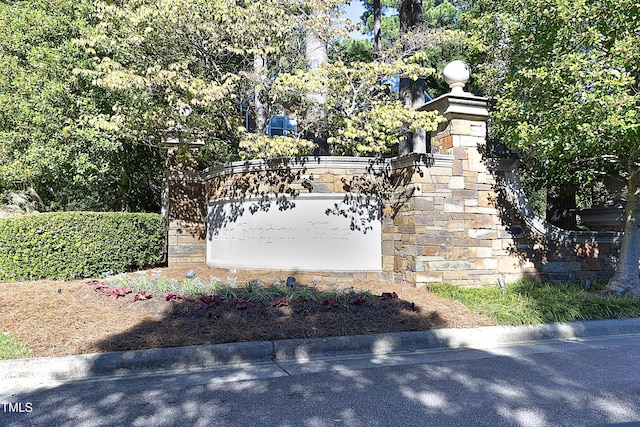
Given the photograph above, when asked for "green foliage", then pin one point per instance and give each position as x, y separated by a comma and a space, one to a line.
47, 137
305, 293
272, 147
351, 51
564, 75
185, 65
527, 303
11, 348
366, 116
69, 245
254, 291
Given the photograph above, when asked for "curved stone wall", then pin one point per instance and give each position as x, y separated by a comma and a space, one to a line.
453, 215
294, 215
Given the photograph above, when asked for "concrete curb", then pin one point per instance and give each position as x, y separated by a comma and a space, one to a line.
478, 338
67, 368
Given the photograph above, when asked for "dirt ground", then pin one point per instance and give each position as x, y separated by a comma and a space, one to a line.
55, 318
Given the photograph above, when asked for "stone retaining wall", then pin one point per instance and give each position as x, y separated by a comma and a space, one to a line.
452, 215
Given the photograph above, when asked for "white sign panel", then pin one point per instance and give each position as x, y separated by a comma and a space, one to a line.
309, 232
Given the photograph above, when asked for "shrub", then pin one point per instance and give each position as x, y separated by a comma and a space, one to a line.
68, 245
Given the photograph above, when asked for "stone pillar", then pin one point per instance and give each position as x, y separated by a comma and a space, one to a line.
449, 229
184, 204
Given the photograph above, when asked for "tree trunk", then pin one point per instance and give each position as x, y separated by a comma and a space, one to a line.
124, 187
377, 28
625, 279
316, 55
260, 106
411, 92
560, 205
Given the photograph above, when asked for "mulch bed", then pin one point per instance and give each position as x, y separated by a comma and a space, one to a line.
59, 318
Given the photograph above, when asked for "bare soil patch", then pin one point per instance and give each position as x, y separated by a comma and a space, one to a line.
55, 318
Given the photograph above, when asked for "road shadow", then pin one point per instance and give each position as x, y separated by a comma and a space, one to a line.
460, 387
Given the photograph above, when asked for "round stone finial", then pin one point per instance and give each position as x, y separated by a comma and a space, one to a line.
457, 74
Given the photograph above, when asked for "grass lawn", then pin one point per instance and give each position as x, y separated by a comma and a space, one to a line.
531, 303
11, 348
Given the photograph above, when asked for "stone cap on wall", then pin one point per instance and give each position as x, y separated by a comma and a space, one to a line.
310, 163
466, 106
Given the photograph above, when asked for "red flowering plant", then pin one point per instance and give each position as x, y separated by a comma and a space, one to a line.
208, 301
280, 302
170, 296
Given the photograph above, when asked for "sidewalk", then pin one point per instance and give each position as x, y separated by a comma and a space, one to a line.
86, 366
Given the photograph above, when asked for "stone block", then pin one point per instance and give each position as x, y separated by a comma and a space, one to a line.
590, 264
450, 265
500, 244
509, 265
466, 141
483, 252
486, 264
475, 162
324, 187
406, 229
460, 153
431, 250
360, 276
185, 250
464, 194
470, 178
338, 186
439, 171
324, 177
442, 181
424, 203
428, 277
560, 267
388, 262
482, 234
453, 205
457, 225
460, 127
423, 220
455, 276
478, 129
482, 221
457, 253
434, 240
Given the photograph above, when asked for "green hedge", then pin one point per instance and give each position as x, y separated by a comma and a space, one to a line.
70, 245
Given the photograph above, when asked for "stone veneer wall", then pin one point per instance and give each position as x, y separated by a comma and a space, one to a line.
261, 182
184, 208
450, 216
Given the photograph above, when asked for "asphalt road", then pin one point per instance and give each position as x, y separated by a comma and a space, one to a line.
576, 382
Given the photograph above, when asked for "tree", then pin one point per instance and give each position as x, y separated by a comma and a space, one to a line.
411, 91
409, 27
377, 28
46, 139
161, 58
316, 56
347, 102
387, 21
565, 78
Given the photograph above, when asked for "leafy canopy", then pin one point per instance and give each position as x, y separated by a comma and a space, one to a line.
564, 75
